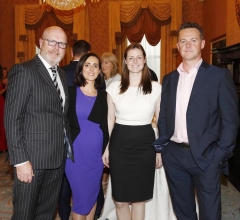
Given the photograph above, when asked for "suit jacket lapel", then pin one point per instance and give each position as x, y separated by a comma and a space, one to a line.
174, 83
45, 74
200, 78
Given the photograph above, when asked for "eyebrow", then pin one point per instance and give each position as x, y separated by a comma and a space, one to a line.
136, 56
188, 38
90, 63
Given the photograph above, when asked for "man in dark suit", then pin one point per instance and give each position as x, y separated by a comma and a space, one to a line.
79, 48
198, 124
37, 129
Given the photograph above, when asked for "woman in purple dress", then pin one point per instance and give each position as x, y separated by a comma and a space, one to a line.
87, 116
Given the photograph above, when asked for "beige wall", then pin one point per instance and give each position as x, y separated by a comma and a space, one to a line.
214, 23
232, 26
192, 11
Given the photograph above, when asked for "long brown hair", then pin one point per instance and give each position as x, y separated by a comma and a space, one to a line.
145, 82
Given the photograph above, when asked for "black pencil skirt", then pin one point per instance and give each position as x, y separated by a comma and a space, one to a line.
132, 162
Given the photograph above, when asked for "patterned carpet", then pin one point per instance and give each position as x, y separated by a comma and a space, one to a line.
6, 183
230, 196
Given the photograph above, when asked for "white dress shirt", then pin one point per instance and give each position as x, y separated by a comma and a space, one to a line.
184, 89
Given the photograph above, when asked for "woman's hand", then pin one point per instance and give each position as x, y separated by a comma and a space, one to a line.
105, 157
158, 160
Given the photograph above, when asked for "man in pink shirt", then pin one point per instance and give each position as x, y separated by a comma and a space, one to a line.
198, 125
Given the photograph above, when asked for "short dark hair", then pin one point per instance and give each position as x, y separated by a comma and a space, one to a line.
191, 25
79, 79
81, 47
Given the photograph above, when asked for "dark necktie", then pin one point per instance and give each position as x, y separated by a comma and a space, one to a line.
54, 72
66, 141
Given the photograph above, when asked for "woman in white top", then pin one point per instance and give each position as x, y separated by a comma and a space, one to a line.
110, 68
130, 155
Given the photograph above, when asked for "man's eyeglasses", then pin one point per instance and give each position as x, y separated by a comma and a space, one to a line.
53, 43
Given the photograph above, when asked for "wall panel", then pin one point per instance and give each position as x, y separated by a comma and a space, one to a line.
7, 44
214, 23
232, 26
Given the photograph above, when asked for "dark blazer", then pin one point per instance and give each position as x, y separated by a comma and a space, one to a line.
212, 114
34, 119
97, 115
70, 70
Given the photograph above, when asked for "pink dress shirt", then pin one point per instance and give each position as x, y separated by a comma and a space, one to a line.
184, 89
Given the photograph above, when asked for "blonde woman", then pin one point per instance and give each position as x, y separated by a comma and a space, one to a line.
110, 68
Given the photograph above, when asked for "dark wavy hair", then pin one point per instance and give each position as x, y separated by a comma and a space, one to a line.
191, 25
145, 82
79, 79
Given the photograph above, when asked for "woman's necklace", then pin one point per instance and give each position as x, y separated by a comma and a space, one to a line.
89, 98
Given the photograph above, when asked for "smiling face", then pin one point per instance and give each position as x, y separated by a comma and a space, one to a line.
135, 60
91, 69
190, 44
52, 54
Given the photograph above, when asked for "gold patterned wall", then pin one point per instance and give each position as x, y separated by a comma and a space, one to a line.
232, 26
192, 11
98, 14
214, 23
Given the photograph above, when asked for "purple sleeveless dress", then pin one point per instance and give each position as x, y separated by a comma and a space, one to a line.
84, 175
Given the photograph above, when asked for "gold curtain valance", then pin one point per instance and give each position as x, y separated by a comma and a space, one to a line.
144, 24
157, 19
129, 10
37, 18
136, 18
161, 11
71, 19
143, 17
35, 14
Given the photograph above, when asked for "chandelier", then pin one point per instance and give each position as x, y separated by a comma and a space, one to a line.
65, 4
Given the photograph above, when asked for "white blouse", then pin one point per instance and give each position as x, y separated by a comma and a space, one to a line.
133, 107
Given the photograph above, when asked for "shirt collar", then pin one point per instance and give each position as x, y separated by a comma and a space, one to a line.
45, 63
196, 66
